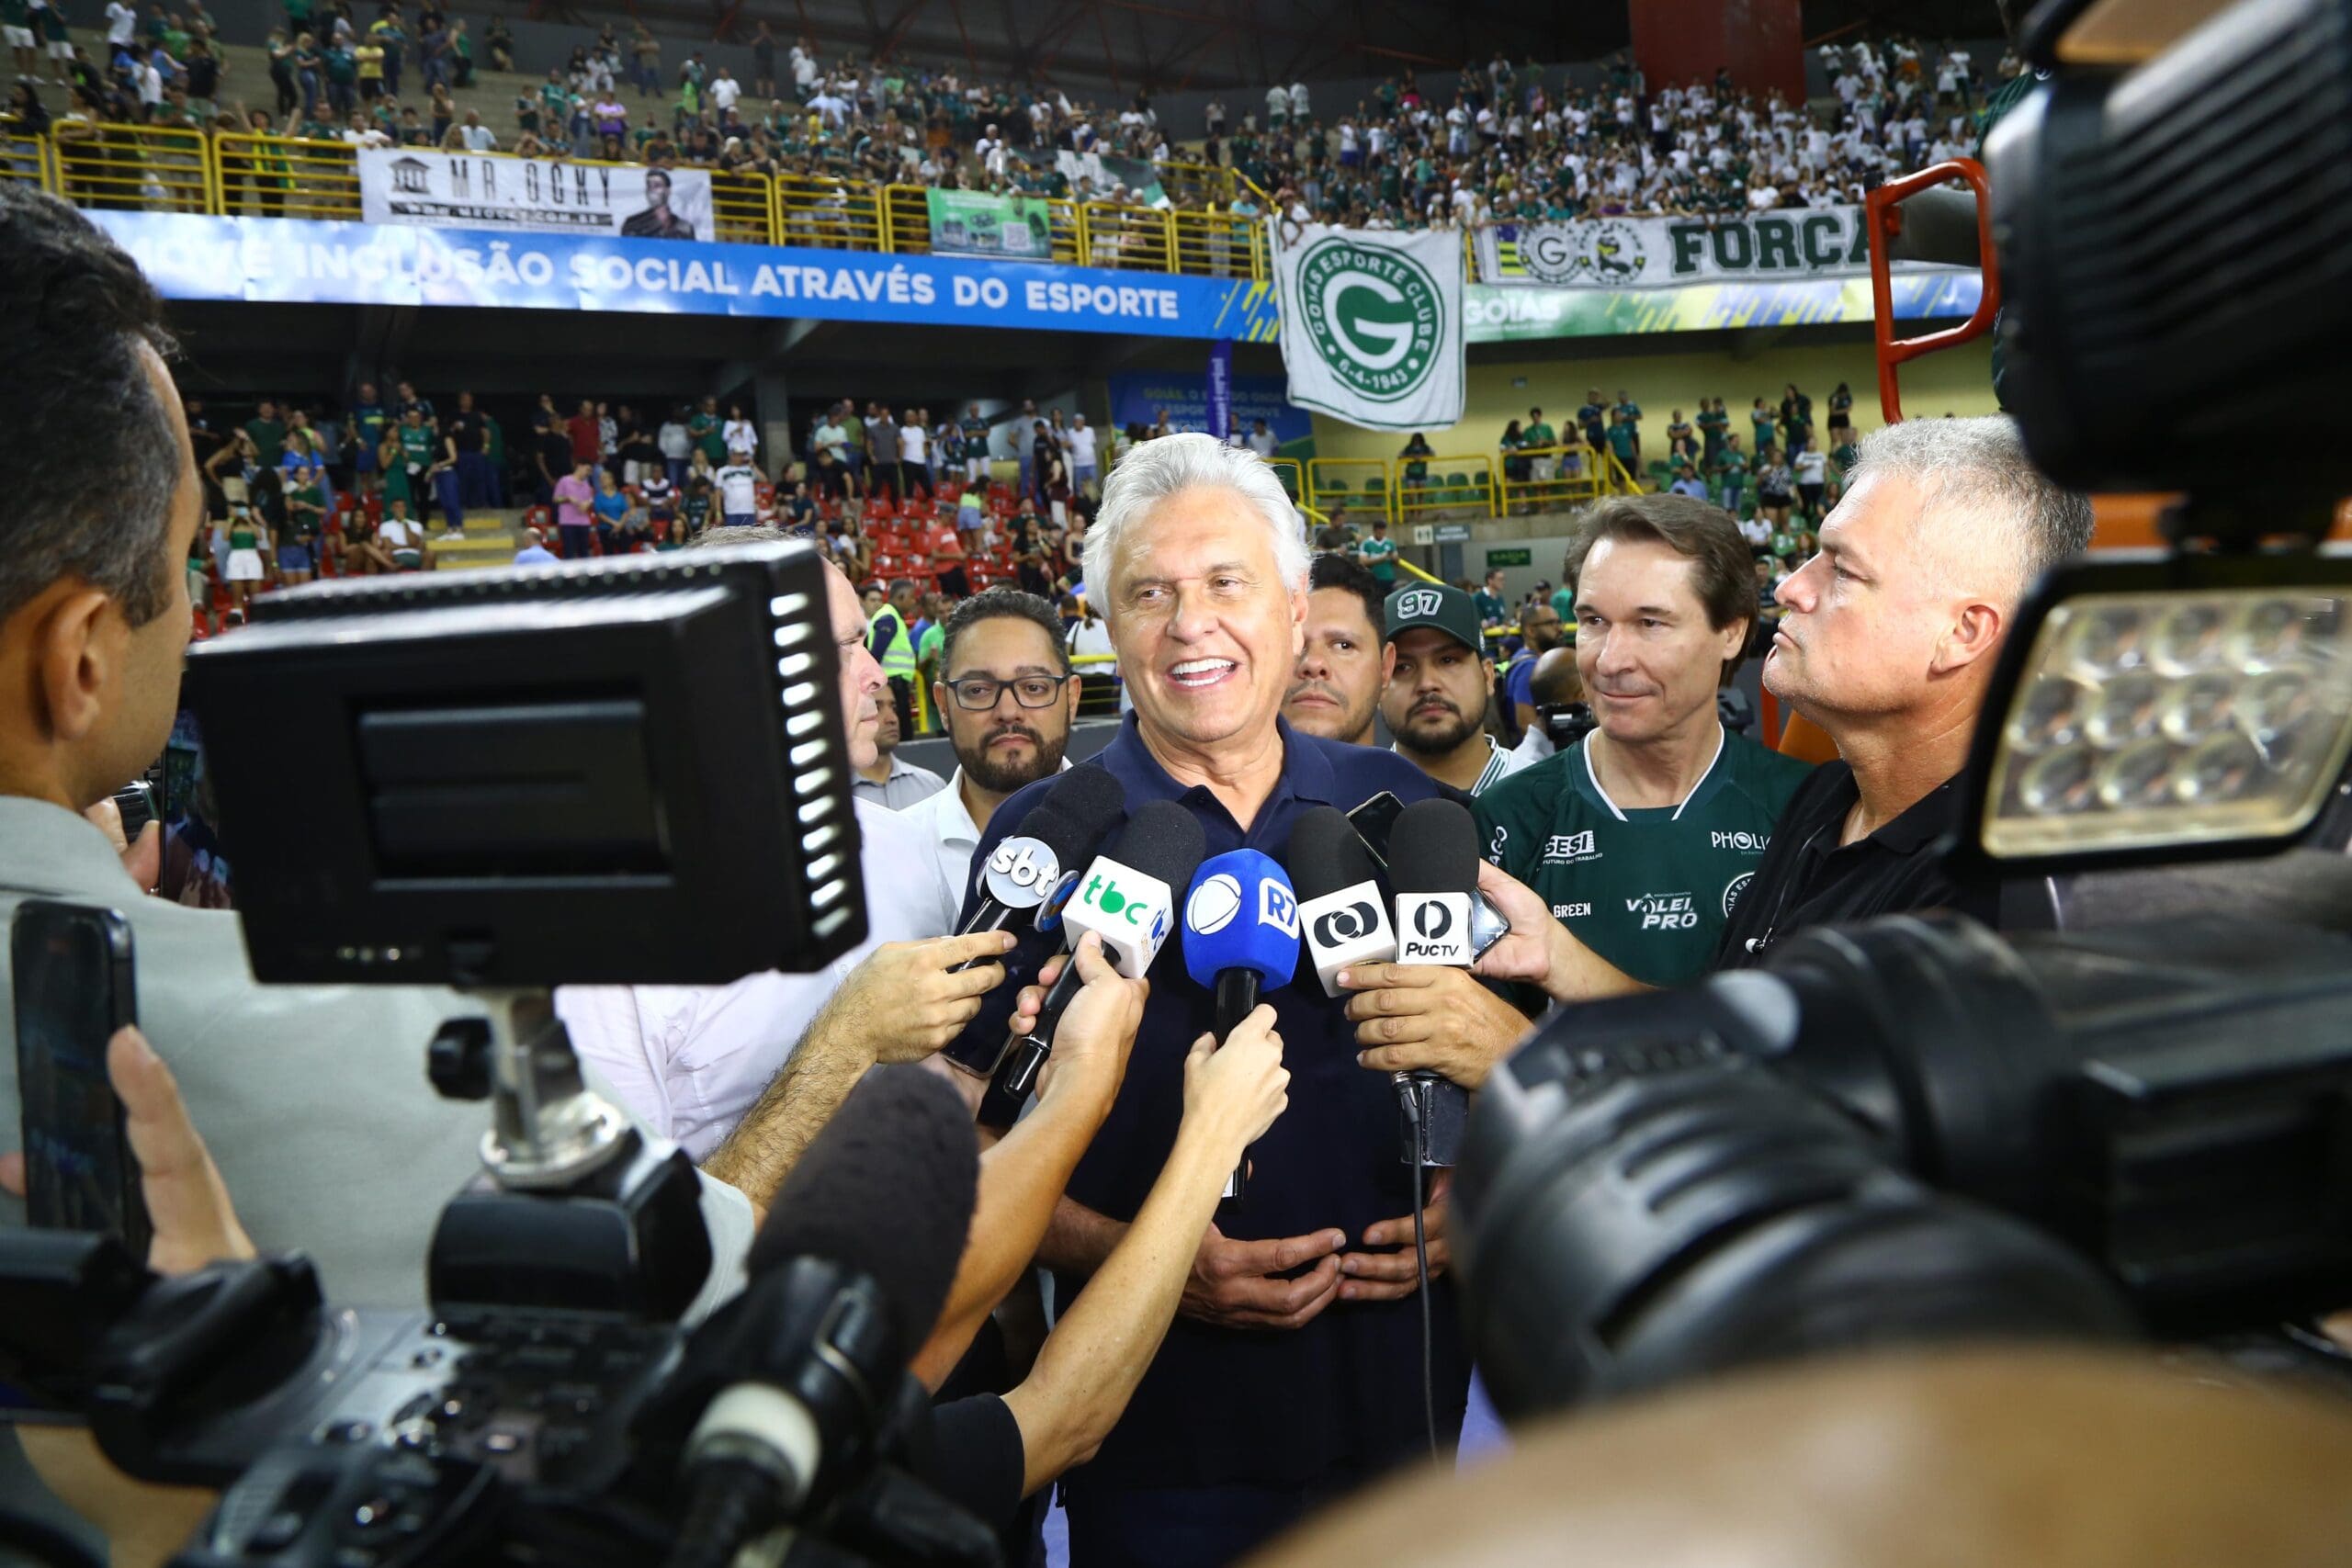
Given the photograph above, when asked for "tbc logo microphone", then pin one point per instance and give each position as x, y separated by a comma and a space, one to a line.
1124, 898
1340, 898
1240, 938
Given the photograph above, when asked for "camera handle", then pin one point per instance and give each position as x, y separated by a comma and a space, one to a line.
575, 1209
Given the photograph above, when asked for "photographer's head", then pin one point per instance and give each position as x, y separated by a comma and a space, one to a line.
1945, 525
94, 608
861, 677
1665, 601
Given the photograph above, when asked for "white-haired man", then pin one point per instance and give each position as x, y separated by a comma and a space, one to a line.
1200, 565
1888, 640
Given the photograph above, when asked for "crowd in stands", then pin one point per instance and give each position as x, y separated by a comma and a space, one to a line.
1500, 143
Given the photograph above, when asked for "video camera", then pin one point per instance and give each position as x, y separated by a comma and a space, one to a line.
1914, 1129
490, 764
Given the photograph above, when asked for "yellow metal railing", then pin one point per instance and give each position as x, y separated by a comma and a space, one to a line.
1129, 239
1556, 476
1353, 482
234, 174
820, 213
285, 177
23, 158
743, 207
1454, 484
1213, 245
131, 167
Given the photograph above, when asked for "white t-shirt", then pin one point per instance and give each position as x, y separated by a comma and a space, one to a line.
1264, 443
121, 22
725, 91
1810, 463
400, 534
479, 139
1081, 447
738, 490
739, 435
913, 443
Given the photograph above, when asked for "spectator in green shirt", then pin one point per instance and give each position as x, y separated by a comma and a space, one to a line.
1492, 606
1378, 553
1416, 455
269, 432
1630, 411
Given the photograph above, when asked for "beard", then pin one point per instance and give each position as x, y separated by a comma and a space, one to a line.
999, 776
1433, 735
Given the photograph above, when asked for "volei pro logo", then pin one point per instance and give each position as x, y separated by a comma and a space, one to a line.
1373, 316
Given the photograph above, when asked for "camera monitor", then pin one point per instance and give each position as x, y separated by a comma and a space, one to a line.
619, 771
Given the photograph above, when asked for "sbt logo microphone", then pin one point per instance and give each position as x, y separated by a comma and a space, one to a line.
1127, 909
1433, 928
1346, 927
1021, 872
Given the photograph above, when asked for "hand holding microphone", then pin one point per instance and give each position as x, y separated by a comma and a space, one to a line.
1240, 938
1236, 1089
1097, 1030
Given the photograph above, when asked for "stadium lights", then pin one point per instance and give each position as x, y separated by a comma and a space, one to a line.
2146, 709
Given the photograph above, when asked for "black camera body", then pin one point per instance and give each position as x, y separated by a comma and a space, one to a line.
1913, 1130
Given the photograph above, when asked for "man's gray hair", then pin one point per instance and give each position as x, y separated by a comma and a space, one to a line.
1979, 467
1157, 470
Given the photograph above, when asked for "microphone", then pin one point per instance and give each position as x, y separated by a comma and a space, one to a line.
1433, 865
1343, 912
1240, 936
1079, 808
784, 1389
1126, 897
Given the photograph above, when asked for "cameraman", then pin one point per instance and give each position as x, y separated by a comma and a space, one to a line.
313, 1094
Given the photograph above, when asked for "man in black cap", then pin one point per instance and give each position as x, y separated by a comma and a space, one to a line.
1435, 698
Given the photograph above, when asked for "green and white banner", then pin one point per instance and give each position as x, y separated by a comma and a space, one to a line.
1666, 253
974, 223
1372, 322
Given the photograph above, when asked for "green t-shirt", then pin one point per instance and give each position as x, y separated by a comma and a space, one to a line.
1564, 604
1648, 889
697, 509
302, 522
927, 647
1766, 423
1540, 435
416, 447
1620, 441
1490, 608
1380, 557
1712, 426
14, 13
269, 438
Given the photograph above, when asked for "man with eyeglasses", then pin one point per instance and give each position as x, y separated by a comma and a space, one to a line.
1005, 689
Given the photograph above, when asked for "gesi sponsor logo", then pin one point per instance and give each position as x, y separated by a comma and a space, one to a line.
1565, 849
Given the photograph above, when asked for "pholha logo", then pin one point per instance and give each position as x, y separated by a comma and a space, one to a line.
1376, 317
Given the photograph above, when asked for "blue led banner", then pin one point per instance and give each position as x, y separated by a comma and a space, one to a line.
287, 259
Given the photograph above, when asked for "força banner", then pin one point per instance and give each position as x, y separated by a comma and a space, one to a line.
478, 190
1667, 253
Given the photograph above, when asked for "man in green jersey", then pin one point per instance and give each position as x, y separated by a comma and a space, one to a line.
1641, 836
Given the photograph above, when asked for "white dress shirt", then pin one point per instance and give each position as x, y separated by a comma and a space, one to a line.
950, 834
689, 1060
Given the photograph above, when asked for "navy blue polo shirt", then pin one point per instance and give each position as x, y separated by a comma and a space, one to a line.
1340, 1398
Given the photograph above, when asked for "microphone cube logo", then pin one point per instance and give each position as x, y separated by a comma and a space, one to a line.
1213, 905
1350, 922
1433, 928
1277, 907
1021, 872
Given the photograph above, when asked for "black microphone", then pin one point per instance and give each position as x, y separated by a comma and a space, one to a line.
1028, 867
1343, 912
1433, 866
1126, 897
781, 1394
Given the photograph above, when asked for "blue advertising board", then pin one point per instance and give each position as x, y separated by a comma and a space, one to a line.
191, 257
1137, 398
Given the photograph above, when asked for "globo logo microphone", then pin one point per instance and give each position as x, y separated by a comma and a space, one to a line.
1346, 927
